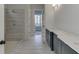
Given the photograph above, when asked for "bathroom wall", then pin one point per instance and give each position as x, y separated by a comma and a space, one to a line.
49, 17
67, 18
1, 22
1, 27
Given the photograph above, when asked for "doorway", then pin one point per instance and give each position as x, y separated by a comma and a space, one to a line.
38, 26
38, 22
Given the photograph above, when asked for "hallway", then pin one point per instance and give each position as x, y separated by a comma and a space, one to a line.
32, 46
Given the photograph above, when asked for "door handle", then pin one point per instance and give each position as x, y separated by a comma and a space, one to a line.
2, 42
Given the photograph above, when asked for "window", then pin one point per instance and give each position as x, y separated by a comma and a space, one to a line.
38, 20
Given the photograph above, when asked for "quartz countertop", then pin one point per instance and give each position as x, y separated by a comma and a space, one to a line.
72, 40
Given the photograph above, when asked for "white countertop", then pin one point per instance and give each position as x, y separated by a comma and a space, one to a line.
72, 40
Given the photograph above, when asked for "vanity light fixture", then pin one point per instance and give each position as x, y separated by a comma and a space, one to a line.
56, 6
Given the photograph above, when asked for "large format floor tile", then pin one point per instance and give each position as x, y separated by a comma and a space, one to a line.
32, 46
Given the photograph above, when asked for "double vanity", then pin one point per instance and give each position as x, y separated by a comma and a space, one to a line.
62, 42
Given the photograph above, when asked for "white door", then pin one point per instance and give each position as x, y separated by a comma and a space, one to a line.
1, 28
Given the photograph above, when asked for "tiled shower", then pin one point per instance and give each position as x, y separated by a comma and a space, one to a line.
14, 28
14, 24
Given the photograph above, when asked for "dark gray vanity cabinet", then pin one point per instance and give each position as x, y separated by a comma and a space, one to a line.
49, 39
60, 47
67, 50
57, 44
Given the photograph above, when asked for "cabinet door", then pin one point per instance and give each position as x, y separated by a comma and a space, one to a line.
67, 50
57, 45
51, 41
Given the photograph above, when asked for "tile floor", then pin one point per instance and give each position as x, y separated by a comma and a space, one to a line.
32, 46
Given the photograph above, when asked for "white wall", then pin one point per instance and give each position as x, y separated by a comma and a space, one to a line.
67, 18
1, 27
1, 22
49, 16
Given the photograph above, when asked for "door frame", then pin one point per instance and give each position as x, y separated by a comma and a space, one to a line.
43, 23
